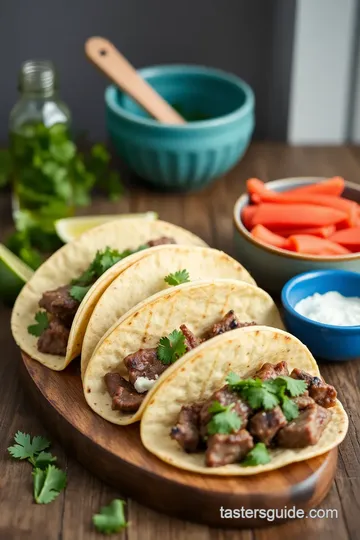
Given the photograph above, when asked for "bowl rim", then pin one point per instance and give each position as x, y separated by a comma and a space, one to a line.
244, 198
308, 276
172, 69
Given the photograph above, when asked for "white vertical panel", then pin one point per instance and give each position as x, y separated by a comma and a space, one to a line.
321, 71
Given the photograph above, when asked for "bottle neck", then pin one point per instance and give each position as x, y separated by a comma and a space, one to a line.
38, 79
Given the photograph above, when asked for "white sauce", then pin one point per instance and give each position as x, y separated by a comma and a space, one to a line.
143, 384
331, 308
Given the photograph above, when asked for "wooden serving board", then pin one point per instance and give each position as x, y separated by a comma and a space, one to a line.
115, 454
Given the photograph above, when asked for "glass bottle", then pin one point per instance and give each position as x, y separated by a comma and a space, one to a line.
41, 150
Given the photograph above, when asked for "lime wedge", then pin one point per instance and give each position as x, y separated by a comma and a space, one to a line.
69, 229
14, 273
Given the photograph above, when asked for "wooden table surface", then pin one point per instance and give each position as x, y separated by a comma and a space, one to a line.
208, 214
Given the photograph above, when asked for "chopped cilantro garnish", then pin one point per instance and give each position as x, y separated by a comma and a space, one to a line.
181, 276
289, 408
295, 387
78, 292
225, 420
42, 323
172, 347
259, 455
111, 518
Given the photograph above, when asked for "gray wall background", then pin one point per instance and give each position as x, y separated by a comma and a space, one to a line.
251, 38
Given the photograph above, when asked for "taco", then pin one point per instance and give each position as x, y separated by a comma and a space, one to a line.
249, 401
67, 286
156, 270
131, 357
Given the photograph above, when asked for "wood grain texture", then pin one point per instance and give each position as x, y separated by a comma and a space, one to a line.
208, 214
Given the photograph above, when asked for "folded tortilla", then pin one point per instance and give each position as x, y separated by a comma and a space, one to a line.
198, 305
204, 370
69, 262
145, 277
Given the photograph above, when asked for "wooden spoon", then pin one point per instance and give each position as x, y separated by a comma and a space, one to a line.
115, 66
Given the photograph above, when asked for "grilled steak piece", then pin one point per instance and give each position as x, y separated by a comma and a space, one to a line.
225, 397
264, 425
191, 341
303, 401
271, 371
124, 396
323, 394
54, 339
228, 322
224, 449
60, 304
186, 432
144, 363
306, 429
161, 241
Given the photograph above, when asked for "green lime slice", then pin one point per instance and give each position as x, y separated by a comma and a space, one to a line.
14, 273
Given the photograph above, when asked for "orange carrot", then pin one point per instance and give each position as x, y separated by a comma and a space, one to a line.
263, 234
295, 216
247, 215
322, 232
259, 191
348, 238
333, 186
311, 245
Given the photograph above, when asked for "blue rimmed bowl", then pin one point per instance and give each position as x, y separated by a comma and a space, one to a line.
325, 341
220, 109
272, 267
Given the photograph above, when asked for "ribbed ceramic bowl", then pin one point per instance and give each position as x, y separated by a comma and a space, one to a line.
189, 156
272, 267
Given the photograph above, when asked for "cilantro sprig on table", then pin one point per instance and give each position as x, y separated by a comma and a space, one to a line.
269, 393
48, 480
42, 323
172, 347
225, 420
111, 519
181, 276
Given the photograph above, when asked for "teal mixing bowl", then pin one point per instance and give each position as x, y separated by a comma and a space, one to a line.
219, 109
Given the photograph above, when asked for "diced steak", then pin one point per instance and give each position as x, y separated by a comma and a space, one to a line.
322, 393
124, 396
271, 371
303, 401
228, 322
224, 449
161, 241
186, 432
264, 425
191, 341
60, 304
306, 429
54, 339
144, 363
225, 397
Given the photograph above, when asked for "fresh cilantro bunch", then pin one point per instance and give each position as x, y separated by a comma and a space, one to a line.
111, 518
49, 481
181, 276
172, 347
224, 420
270, 393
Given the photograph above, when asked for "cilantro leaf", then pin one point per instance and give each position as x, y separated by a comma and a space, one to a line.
111, 518
295, 387
260, 397
48, 484
225, 420
42, 323
25, 448
289, 408
181, 276
78, 292
43, 460
259, 455
172, 347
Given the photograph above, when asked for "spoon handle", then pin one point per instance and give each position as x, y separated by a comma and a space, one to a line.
115, 66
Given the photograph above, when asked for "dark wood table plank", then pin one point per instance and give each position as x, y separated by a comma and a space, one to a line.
209, 214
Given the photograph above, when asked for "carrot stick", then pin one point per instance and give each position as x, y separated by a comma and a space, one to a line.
295, 216
311, 245
322, 232
348, 238
333, 186
263, 234
258, 189
247, 215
